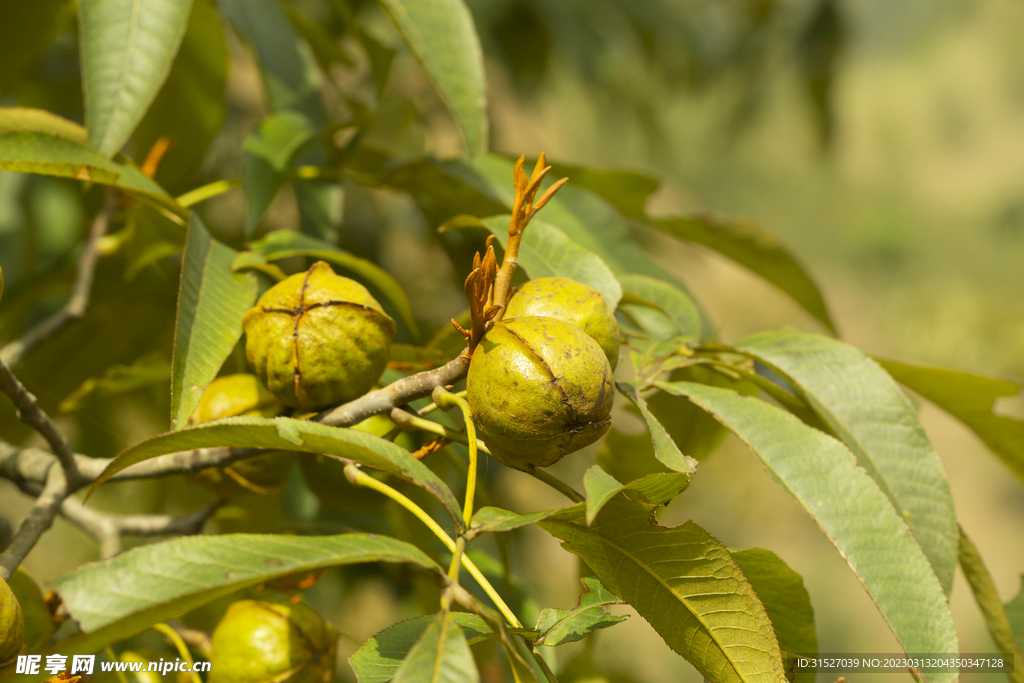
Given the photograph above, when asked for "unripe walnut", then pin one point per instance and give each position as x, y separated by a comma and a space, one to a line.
233, 396
317, 339
539, 388
326, 478
571, 302
12, 625
264, 642
38, 621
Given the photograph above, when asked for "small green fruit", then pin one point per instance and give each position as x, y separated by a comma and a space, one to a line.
12, 625
38, 621
539, 388
233, 396
317, 339
571, 302
325, 476
263, 642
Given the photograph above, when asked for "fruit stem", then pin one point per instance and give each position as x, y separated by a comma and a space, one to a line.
426, 410
557, 484
409, 421
209, 191
446, 400
182, 649
360, 478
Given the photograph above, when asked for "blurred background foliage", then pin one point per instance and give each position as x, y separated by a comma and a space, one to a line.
882, 142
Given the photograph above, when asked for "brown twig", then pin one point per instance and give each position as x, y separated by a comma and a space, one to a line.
108, 528
39, 519
31, 414
78, 302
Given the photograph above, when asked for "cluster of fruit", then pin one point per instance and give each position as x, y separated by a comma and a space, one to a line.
539, 386
539, 383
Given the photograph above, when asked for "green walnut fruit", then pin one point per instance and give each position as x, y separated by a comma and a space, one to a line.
12, 625
539, 388
571, 302
325, 476
317, 339
233, 396
38, 621
263, 642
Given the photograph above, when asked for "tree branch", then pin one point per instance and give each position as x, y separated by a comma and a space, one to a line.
31, 414
78, 302
36, 523
396, 394
108, 528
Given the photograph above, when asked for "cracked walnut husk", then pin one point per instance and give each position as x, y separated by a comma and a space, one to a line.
317, 339
539, 389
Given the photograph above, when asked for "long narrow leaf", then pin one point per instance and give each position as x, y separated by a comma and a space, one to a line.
441, 655
823, 476
683, 582
987, 597
127, 50
970, 399
788, 605
750, 245
211, 303
284, 433
874, 418
117, 598
441, 35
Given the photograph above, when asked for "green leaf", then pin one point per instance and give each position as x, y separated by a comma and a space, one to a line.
282, 244
283, 433
1015, 615
291, 79
665, 449
440, 34
148, 370
419, 357
659, 307
211, 303
127, 50
683, 582
190, 108
785, 600
378, 659
34, 141
750, 245
987, 597
600, 487
440, 655
118, 598
874, 418
269, 153
488, 519
824, 477
971, 399
657, 489
558, 626
627, 191
546, 251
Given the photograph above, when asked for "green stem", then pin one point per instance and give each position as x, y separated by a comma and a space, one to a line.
426, 410
548, 673
182, 649
447, 400
410, 421
204, 192
557, 484
360, 478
